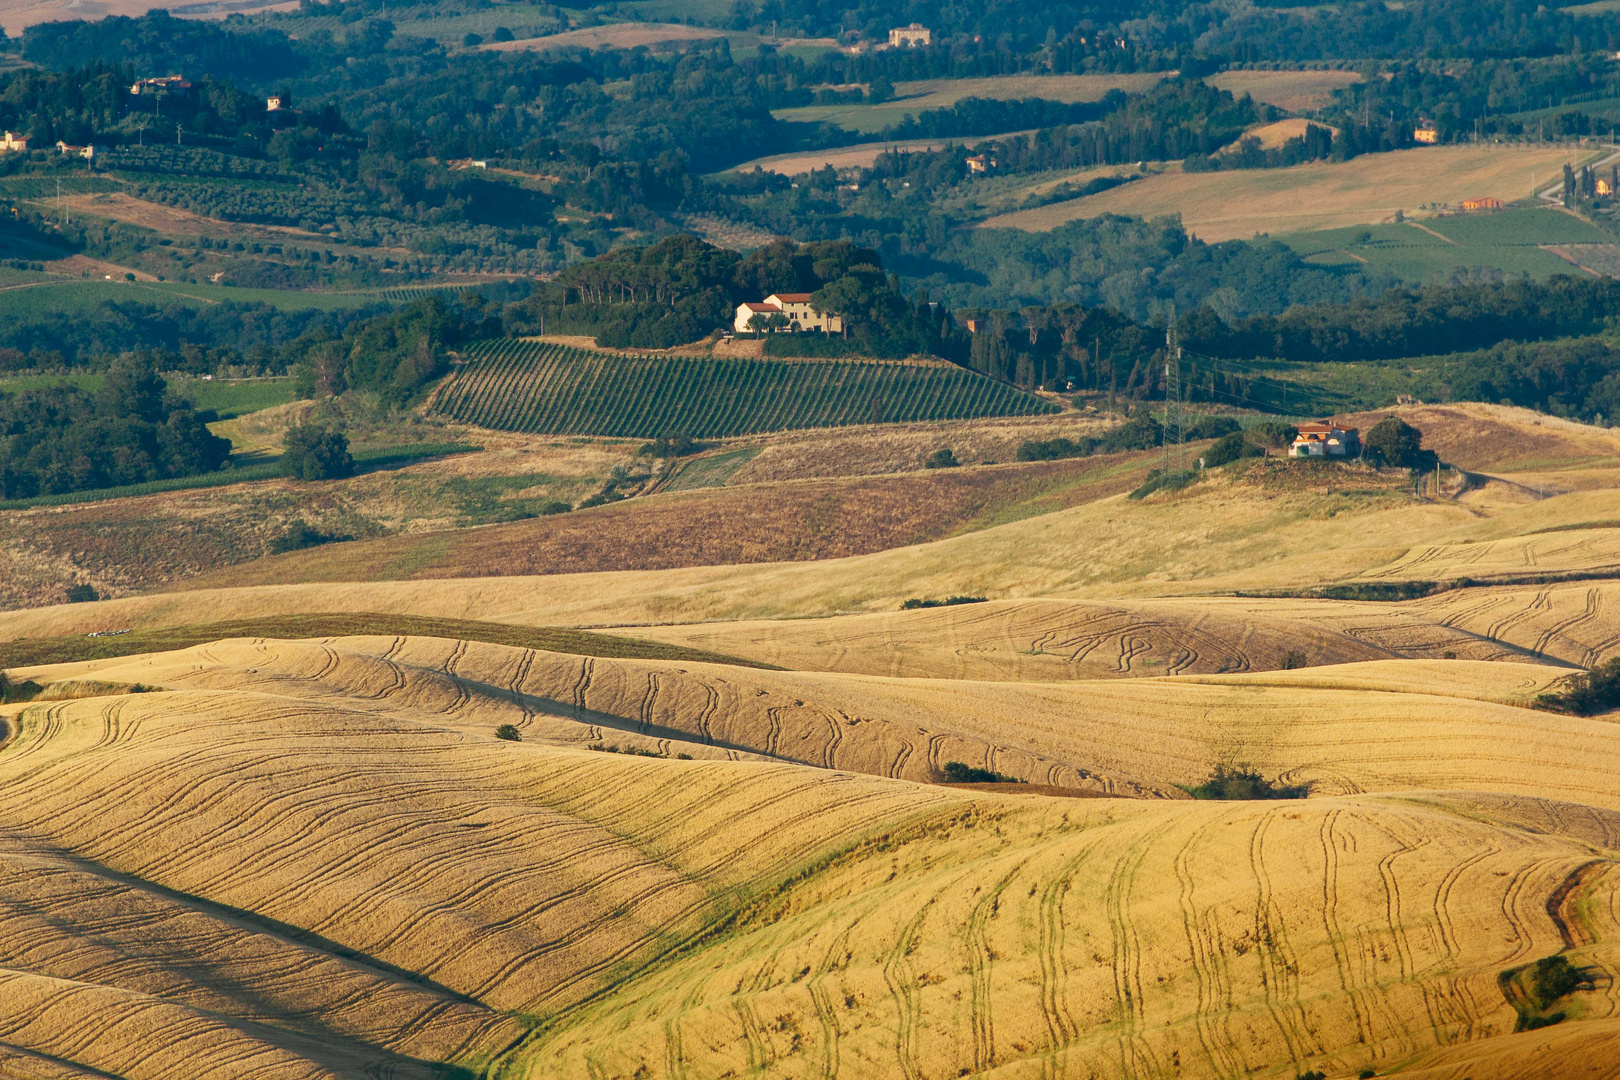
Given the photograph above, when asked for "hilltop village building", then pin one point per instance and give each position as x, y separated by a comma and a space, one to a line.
1325, 440
905, 36
13, 141
793, 307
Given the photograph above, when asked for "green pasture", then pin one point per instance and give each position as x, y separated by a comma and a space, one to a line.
74, 296
372, 460
227, 397
1438, 248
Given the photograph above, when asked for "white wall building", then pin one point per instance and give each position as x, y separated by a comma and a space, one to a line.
915, 34
794, 307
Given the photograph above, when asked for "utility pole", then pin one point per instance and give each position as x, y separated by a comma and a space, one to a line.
1172, 399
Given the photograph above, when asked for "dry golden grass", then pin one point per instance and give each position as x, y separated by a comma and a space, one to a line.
314, 859
1296, 91
1436, 724
1273, 135
1033, 641
325, 867
118, 206
842, 157
1123, 941
919, 96
627, 35
1237, 205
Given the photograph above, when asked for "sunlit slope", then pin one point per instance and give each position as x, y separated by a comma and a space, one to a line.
233, 885
1131, 940
1219, 535
1389, 725
1576, 623
248, 884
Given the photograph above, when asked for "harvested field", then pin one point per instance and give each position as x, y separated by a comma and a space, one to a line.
1503, 438
921, 95
781, 522
1463, 723
251, 857
80, 648
615, 36
207, 894
1031, 641
1239, 204
850, 157
1294, 91
1272, 136
172, 220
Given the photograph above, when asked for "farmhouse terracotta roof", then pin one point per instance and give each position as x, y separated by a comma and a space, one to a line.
761, 307
793, 297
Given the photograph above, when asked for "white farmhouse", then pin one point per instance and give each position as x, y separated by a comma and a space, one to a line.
794, 307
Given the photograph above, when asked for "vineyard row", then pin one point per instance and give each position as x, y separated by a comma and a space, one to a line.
531, 386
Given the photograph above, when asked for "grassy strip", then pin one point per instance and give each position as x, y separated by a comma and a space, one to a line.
384, 457
31, 652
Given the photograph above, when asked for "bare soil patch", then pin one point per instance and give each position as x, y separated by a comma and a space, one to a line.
171, 219
785, 522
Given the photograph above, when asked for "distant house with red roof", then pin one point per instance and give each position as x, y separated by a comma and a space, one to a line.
795, 308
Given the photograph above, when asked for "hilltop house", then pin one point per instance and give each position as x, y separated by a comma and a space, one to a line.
1484, 202
1426, 133
915, 34
793, 307
1325, 440
86, 152
166, 84
13, 141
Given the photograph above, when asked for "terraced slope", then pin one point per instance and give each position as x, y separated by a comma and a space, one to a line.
262, 883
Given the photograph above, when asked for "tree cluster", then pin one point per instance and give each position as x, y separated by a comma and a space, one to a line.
60, 439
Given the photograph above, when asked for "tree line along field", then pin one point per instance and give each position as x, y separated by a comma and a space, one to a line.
530, 386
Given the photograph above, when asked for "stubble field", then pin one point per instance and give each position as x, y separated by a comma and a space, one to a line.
246, 854
1240, 204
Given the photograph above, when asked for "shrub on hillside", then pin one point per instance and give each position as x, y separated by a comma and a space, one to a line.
1239, 782
670, 445
1392, 441
508, 733
300, 535
942, 458
1588, 693
950, 601
11, 690
1057, 449
1273, 435
1229, 448
1553, 977
957, 772
1159, 480
82, 594
1211, 427
314, 453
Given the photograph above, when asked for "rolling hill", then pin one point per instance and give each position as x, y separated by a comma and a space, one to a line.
289, 834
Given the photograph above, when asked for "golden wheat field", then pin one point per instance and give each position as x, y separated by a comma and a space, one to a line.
261, 857
1238, 205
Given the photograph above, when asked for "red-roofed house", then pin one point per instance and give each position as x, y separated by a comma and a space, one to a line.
794, 307
1325, 440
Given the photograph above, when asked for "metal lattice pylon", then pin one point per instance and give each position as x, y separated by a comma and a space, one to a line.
1174, 459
